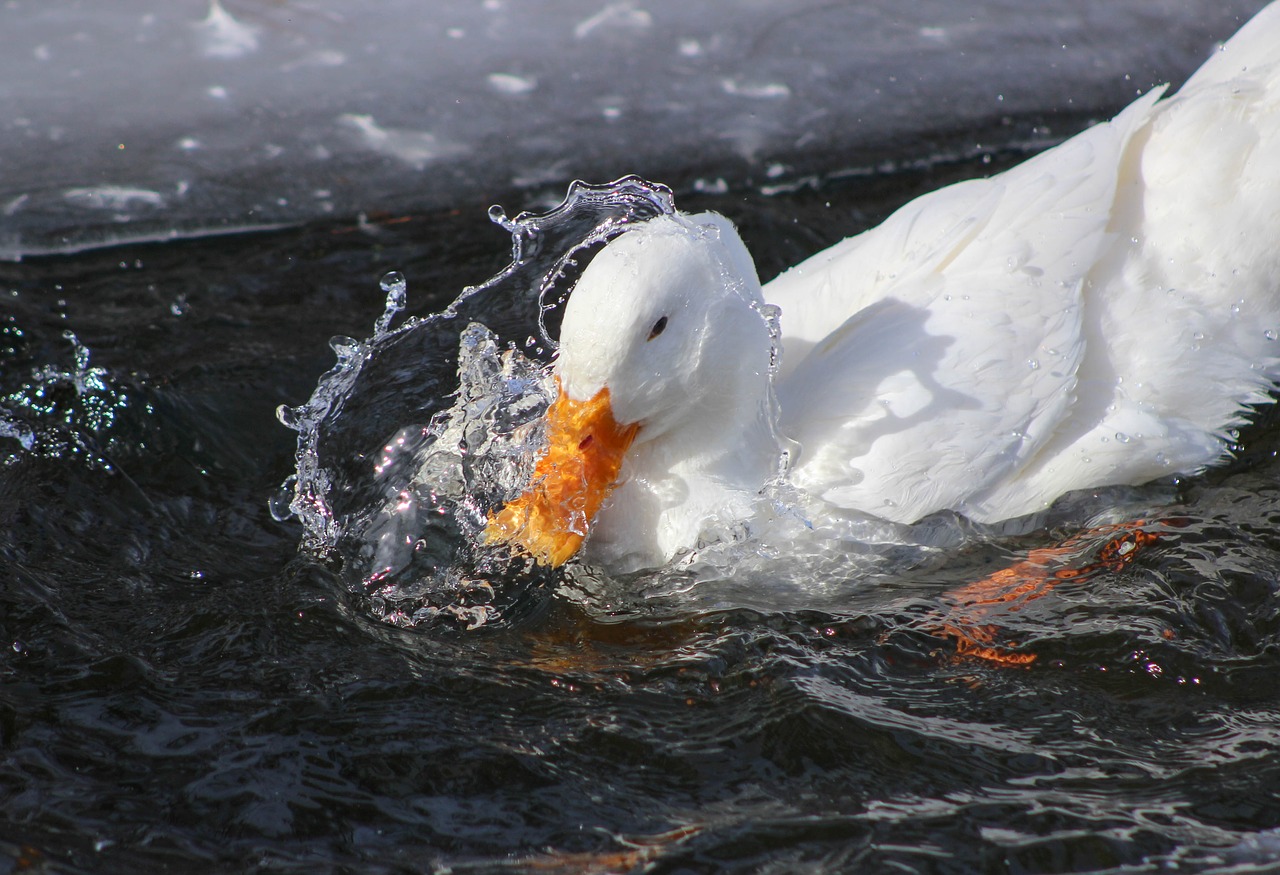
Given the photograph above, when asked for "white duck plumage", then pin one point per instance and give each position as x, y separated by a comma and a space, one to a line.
1100, 314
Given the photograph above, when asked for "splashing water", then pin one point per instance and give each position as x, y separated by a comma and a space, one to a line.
423, 429
65, 413
398, 464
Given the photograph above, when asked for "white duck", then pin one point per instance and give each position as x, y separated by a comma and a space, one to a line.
1100, 314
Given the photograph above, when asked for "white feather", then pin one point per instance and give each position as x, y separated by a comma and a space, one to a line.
1100, 314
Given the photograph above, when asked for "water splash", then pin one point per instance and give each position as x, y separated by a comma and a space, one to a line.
396, 288
421, 430
418, 430
65, 413
424, 428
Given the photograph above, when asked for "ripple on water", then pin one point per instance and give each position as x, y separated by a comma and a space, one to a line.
180, 690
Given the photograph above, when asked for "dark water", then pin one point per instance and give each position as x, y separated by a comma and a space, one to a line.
181, 690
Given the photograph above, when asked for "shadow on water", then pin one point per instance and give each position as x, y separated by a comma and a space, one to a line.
181, 690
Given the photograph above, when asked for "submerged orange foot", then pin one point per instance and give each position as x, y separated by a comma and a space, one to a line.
570, 482
968, 619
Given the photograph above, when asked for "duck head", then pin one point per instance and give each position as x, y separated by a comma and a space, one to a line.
661, 345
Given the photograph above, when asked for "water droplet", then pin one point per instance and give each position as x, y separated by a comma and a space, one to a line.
1034, 364
396, 288
394, 284
1122, 437
1269, 334
498, 216
279, 502
344, 347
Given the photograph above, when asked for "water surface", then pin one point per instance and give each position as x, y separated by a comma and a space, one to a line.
182, 689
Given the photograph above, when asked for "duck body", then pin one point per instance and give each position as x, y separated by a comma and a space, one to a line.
1101, 314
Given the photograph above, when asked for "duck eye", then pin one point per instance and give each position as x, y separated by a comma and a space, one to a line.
658, 327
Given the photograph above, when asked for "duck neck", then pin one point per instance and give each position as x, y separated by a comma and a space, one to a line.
714, 465
737, 446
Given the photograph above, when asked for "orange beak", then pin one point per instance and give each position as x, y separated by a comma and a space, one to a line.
570, 483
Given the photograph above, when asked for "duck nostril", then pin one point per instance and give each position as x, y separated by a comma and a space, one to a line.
585, 442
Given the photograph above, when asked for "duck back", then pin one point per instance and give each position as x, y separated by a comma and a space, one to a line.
1101, 314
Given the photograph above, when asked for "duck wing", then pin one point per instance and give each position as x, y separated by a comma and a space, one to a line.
930, 359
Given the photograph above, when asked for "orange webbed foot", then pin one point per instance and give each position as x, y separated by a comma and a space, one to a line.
971, 612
